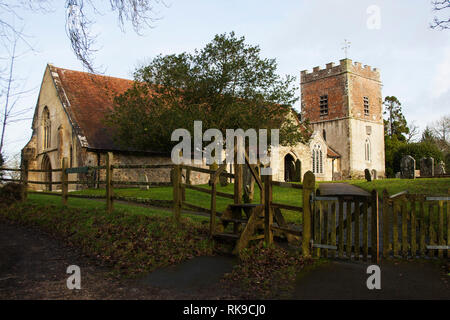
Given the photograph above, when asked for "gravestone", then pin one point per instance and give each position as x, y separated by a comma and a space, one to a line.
143, 178
398, 175
408, 167
440, 169
367, 175
337, 176
374, 174
223, 180
427, 167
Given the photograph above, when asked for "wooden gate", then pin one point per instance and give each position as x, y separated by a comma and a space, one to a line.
345, 227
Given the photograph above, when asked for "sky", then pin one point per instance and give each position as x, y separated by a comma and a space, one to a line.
391, 35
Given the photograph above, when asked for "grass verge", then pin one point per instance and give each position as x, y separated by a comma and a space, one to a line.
130, 241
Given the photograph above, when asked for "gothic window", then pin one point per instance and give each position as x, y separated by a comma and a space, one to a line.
366, 106
46, 124
317, 159
324, 134
367, 150
324, 105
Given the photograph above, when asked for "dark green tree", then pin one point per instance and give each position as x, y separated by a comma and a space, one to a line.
428, 136
395, 124
226, 85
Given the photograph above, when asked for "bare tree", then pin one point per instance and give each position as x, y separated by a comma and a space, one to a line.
441, 130
80, 16
12, 90
413, 133
439, 22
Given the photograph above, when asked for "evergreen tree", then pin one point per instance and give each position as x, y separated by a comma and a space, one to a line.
395, 125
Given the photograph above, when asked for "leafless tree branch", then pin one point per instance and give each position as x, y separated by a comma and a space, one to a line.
440, 23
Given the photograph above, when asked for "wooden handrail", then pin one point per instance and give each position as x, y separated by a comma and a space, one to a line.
203, 170
286, 206
287, 185
204, 190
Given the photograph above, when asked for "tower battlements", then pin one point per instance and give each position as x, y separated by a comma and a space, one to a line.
345, 65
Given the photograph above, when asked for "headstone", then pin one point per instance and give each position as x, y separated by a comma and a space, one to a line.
374, 174
408, 167
440, 169
398, 175
367, 175
337, 176
143, 178
427, 167
223, 180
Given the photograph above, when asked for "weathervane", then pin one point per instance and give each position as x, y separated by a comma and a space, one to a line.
346, 47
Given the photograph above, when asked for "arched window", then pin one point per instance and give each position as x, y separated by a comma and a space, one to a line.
324, 134
317, 159
46, 124
367, 150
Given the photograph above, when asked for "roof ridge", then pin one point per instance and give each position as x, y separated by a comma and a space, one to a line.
89, 73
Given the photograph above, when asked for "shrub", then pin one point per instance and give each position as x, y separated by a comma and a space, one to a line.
418, 151
11, 192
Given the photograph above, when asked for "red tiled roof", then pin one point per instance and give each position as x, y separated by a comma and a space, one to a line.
89, 98
332, 154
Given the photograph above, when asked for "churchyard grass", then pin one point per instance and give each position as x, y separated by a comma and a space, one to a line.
426, 186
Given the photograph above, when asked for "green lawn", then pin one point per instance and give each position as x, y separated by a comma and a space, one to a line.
42, 199
280, 195
438, 186
427, 186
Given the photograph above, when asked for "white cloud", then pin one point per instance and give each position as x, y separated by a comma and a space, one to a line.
441, 81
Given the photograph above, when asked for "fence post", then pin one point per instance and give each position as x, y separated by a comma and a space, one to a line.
212, 226
109, 185
64, 180
176, 193
268, 213
309, 184
375, 228
24, 178
237, 183
385, 218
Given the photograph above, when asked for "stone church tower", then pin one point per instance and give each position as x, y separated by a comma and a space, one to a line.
344, 104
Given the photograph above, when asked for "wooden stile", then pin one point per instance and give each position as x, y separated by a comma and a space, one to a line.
212, 227
268, 212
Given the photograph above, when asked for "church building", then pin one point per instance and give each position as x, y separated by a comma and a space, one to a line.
343, 104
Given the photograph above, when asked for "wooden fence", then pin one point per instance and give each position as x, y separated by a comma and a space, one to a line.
336, 227
415, 225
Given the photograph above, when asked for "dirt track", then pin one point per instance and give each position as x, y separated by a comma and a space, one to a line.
33, 266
